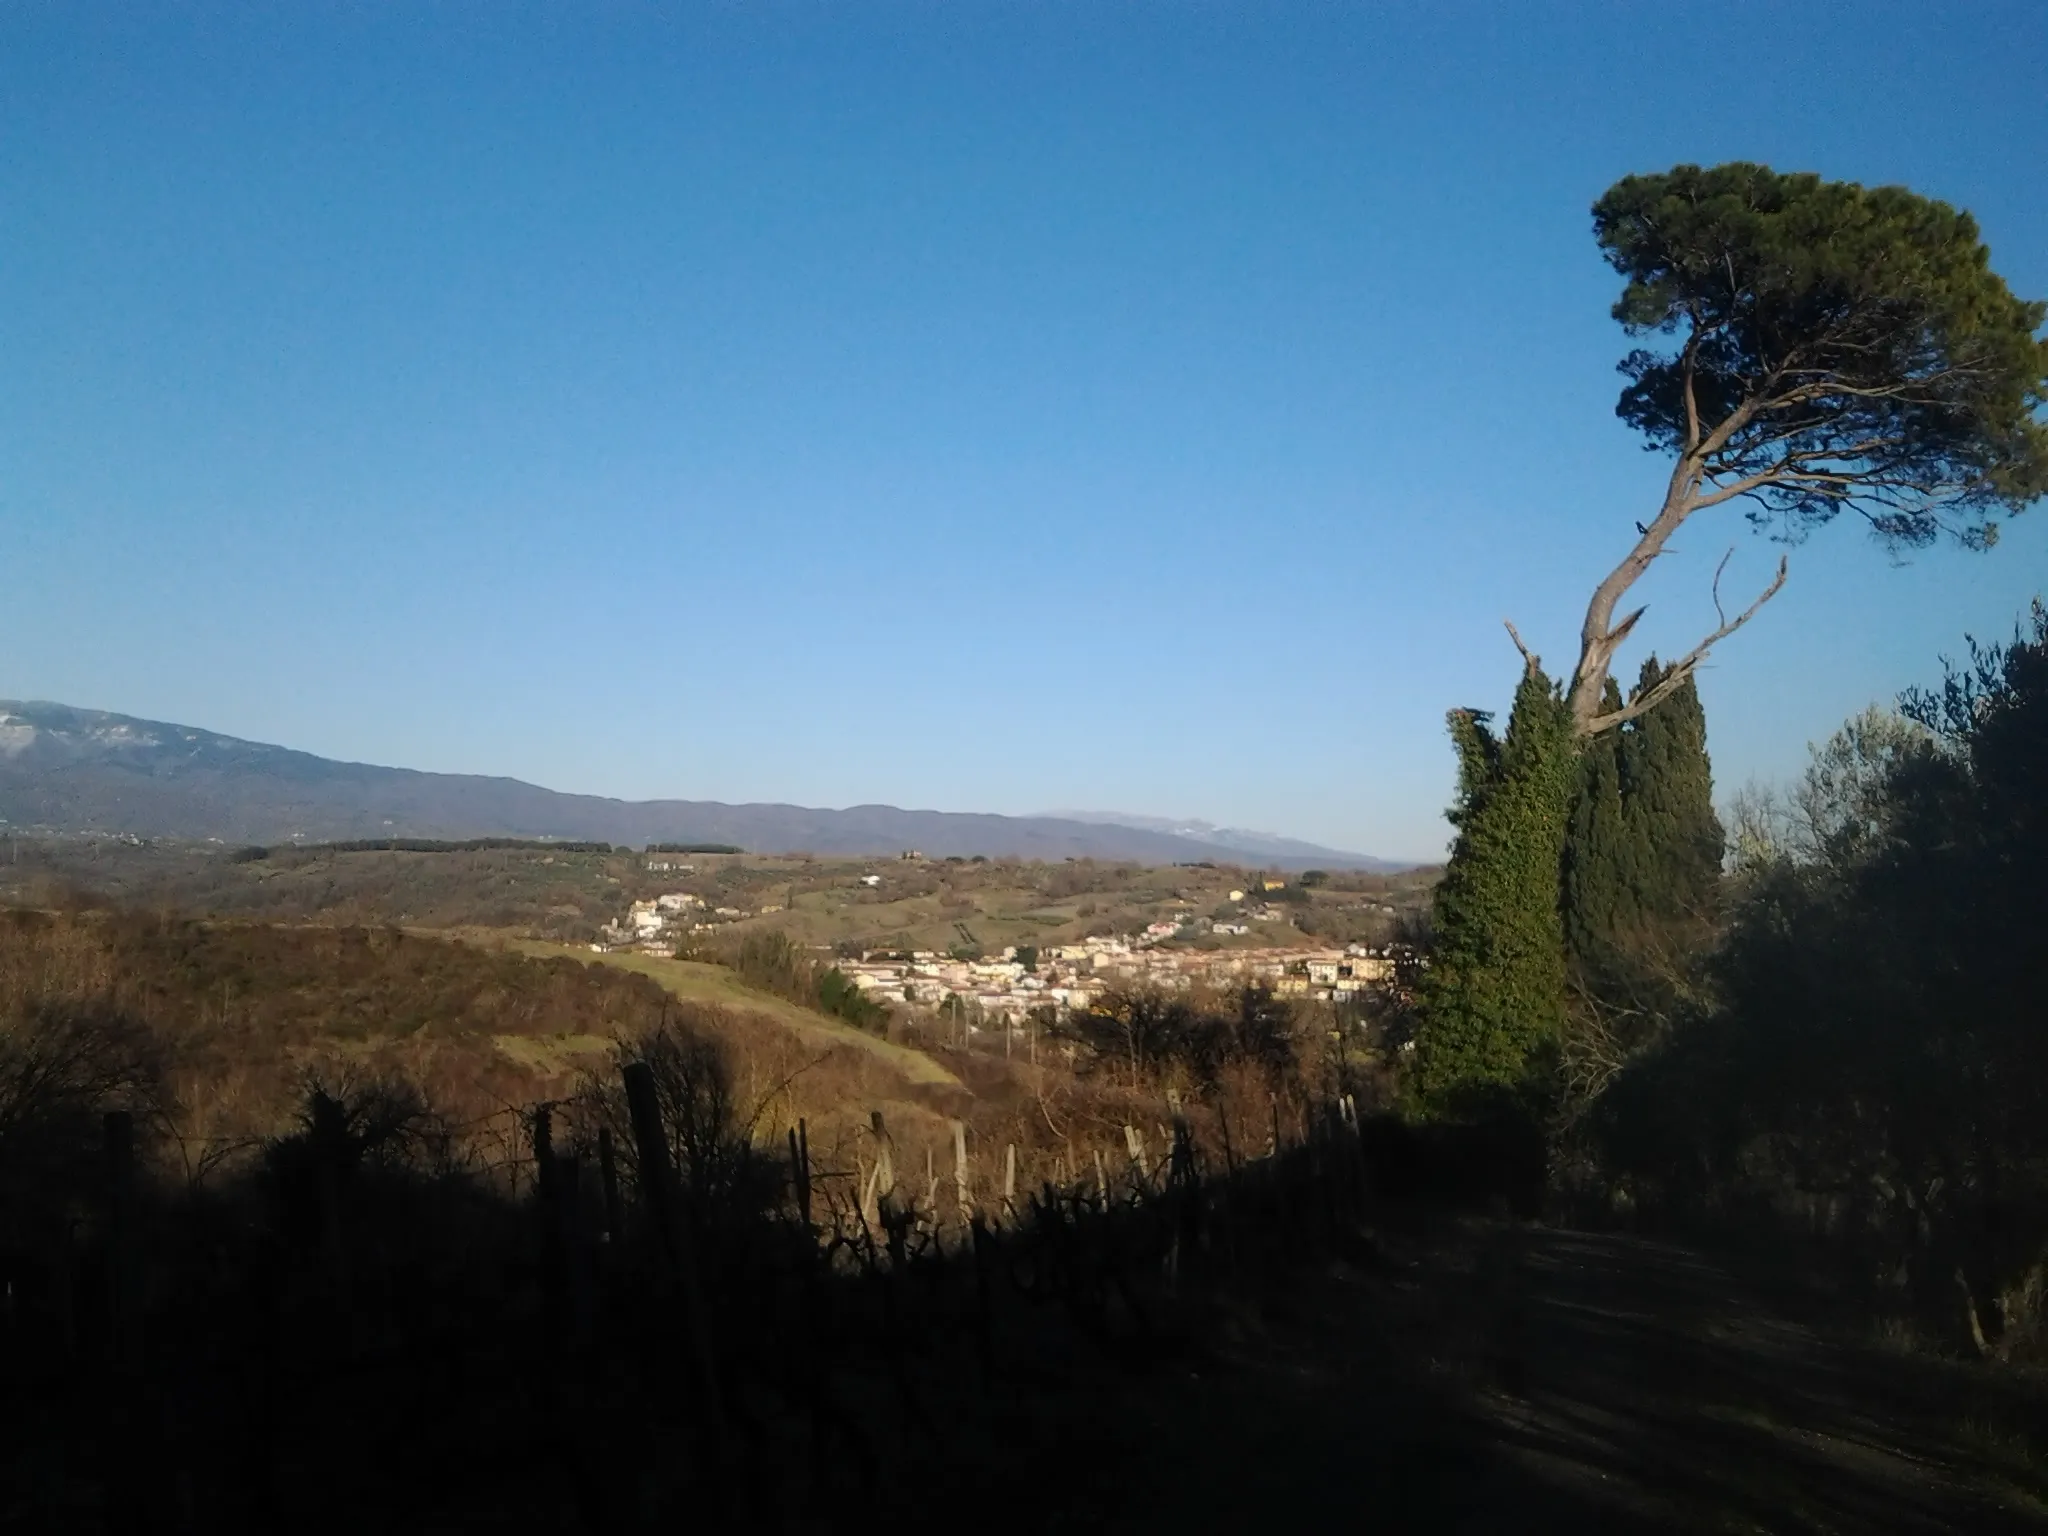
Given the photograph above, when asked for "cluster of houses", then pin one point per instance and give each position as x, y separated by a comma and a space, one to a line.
1065, 978
1068, 977
649, 925
653, 926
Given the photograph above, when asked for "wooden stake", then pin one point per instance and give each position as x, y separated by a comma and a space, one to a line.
885, 1171
665, 1207
800, 1170
963, 1189
543, 1148
608, 1171
124, 1271
1181, 1160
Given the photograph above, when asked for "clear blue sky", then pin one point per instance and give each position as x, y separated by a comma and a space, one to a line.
968, 406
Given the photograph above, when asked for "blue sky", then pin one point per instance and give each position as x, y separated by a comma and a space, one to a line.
967, 406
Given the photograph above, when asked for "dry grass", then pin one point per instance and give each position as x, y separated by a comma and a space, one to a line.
694, 982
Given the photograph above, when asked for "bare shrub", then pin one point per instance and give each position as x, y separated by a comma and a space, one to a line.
710, 1137
63, 1065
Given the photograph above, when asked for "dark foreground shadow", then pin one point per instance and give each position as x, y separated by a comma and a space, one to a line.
1490, 1377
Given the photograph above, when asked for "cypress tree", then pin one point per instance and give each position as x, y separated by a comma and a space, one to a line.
1669, 794
1495, 988
1598, 897
1644, 847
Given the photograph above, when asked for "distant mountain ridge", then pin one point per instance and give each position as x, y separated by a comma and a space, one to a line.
1267, 847
82, 770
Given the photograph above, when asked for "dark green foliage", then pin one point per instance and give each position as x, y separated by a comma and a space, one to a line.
1643, 855
1494, 992
776, 963
694, 848
1668, 789
1879, 1042
1599, 850
1849, 346
838, 996
1027, 956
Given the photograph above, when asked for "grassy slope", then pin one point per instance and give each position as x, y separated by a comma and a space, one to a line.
696, 983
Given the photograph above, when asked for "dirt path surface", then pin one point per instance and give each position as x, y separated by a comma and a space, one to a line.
1494, 1378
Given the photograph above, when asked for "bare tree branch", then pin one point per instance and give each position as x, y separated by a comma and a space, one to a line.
1720, 613
1530, 660
1686, 665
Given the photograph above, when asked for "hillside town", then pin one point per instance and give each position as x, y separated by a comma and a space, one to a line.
1068, 977
1064, 977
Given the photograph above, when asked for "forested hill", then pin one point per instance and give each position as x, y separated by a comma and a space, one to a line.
78, 770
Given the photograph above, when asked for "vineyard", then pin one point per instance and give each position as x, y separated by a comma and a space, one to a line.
645, 1316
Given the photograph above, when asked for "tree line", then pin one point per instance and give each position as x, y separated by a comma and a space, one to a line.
258, 852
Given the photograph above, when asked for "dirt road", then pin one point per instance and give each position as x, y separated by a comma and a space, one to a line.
1499, 1378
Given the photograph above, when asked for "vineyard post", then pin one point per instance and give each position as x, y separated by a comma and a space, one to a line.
664, 1208
608, 1171
1134, 1147
800, 1172
963, 1189
124, 1289
984, 1331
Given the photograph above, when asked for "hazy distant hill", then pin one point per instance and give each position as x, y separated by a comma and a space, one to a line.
1246, 846
85, 770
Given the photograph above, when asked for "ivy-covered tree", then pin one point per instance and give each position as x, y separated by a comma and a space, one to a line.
1494, 993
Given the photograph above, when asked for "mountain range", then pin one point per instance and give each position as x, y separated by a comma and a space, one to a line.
72, 770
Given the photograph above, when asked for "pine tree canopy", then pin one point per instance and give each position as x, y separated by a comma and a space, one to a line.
1834, 348
1841, 348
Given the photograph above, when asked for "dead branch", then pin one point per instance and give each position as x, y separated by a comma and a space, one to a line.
1675, 676
1533, 662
